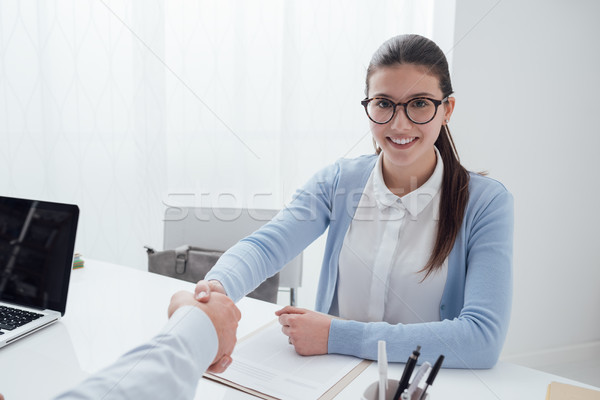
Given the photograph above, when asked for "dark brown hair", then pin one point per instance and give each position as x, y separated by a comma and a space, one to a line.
420, 51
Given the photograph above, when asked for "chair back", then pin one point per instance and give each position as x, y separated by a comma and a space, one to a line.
219, 229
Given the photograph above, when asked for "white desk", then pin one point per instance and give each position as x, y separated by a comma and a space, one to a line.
130, 306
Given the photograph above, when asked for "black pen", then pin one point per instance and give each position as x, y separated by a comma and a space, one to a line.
408, 370
432, 375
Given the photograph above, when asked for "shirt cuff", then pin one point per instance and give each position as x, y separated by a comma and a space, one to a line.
196, 331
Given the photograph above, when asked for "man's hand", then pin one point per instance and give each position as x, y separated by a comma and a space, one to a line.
307, 330
224, 316
205, 288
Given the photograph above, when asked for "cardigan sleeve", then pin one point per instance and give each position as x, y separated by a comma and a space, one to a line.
262, 254
473, 338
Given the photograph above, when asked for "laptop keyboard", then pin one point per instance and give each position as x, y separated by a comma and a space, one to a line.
11, 318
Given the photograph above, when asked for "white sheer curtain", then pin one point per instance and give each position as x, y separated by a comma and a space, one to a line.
82, 117
272, 94
125, 107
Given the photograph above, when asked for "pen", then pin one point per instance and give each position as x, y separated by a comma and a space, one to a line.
415, 382
383, 365
432, 375
408, 370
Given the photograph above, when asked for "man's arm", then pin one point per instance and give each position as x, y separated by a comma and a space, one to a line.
170, 364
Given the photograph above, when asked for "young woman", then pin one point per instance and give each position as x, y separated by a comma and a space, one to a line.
419, 250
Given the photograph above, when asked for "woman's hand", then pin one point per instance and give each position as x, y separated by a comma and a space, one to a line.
308, 331
204, 288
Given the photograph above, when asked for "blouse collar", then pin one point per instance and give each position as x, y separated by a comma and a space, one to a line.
415, 201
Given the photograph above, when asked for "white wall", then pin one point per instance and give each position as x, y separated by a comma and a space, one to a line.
526, 76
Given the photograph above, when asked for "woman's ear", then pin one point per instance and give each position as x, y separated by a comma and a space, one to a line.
448, 109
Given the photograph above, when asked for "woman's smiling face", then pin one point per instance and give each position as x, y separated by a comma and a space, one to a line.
405, 145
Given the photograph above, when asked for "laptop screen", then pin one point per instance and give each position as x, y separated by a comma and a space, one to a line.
37, 239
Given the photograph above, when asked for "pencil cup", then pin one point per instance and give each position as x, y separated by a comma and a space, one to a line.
372, 391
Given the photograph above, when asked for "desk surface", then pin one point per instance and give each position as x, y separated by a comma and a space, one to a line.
113, 308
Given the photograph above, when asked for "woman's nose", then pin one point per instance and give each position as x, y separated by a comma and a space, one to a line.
400, 120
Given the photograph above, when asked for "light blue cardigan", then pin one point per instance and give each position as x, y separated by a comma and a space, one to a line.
475, 305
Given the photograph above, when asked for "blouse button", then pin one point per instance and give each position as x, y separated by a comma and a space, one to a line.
442, 307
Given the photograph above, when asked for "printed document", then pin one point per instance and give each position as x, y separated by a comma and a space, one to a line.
265, 363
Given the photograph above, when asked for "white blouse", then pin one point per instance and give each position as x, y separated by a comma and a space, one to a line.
389, 240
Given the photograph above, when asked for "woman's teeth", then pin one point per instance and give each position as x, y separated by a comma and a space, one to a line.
403, 140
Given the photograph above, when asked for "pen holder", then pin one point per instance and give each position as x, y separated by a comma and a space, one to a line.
372, 391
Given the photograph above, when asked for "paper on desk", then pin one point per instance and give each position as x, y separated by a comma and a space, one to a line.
266, 365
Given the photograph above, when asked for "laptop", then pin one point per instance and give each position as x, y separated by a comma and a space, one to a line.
37, 239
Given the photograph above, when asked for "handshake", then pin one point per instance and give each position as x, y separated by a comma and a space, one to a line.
209, 297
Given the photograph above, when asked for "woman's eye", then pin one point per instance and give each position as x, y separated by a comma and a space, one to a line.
383, 103
420, 103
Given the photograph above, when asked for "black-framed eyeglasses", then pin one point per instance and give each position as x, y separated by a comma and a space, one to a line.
419, 110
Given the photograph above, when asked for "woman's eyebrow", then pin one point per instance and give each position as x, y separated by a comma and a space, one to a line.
387, 96
408, 97
421, 94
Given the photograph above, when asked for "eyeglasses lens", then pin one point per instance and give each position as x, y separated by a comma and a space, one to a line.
380, 110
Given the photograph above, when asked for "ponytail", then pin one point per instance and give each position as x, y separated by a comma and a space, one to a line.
453, 201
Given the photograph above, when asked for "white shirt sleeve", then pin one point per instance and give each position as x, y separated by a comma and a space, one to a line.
167, 367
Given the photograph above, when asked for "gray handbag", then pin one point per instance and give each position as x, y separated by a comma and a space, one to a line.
190, 263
